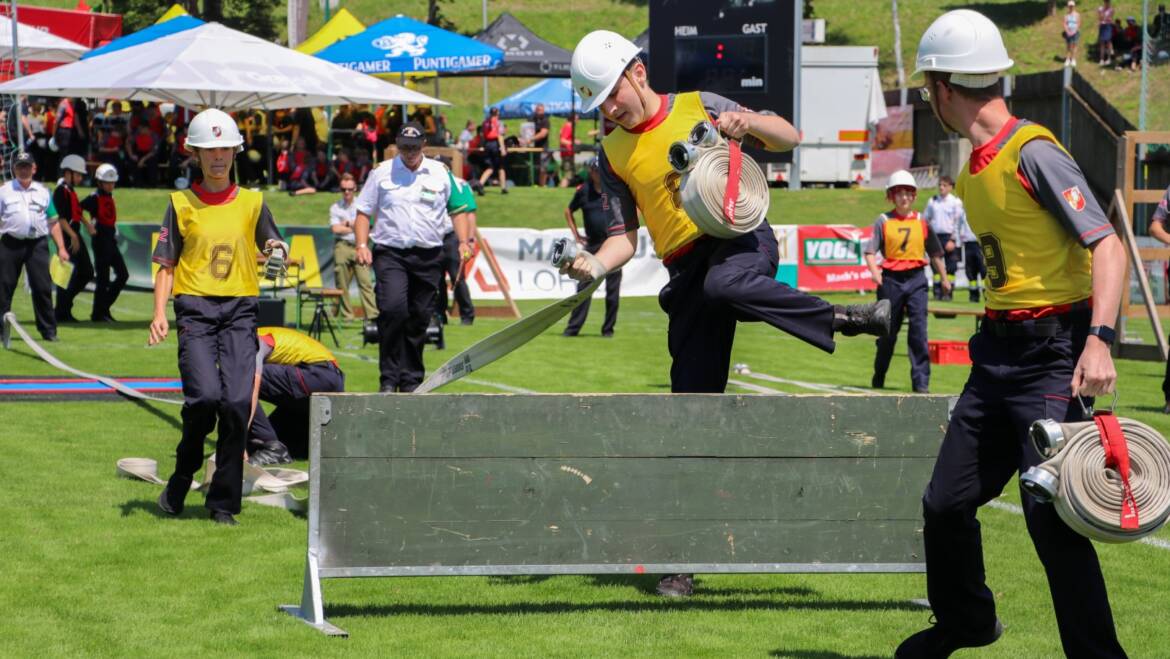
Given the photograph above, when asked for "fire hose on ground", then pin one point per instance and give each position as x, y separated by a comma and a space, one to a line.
1109, 478
722, 189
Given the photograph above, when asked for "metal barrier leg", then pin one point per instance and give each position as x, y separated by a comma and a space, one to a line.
312, 608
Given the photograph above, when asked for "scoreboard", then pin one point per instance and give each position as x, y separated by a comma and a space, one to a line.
745, 50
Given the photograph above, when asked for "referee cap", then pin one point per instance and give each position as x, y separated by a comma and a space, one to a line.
410, 135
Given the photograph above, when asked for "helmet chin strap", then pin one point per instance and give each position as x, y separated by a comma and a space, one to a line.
629, 76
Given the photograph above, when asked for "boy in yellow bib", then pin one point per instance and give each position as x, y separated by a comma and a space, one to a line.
207, 256
714, 283
1044, 340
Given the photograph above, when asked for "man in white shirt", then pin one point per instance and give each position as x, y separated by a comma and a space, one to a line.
407, 197
25, 225
342, 216
944, 211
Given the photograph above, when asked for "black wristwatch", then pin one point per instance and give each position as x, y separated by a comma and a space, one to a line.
1105, 333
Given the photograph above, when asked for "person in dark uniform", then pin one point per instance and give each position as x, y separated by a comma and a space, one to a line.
905, 240
291, 367
973, 264
104, 213
26, 221
1055, 276
540, 135
714, 283
207, 249
408, 197
944, 212
587, 199
1158, 231
458, 247
72, 220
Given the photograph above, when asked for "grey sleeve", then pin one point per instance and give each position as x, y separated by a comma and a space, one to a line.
877, 239
1162, 212
617, 202
716, 105
262, 352
1060, 187
170, 241
266, 228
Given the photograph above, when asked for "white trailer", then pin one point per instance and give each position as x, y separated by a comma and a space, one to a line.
840, 104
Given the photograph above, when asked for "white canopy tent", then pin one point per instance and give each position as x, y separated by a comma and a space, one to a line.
33, 44
214, 66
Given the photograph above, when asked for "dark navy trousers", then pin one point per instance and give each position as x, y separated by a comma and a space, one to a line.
407, 281
950, 261
450, 270
289, 389
1015, 380
907, 292
107, 257
82, 274
975, 267
613, 287
719, 282
217, 362
32, 254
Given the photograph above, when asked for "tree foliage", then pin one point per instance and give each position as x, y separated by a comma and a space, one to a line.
256, 17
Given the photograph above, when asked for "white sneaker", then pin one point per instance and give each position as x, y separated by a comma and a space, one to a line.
1067, 62
1074, 64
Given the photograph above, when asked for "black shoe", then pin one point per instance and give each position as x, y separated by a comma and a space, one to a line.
387, 389
64, 318
676, 585
855, 319
51, 338
1166, 410
220, 517
973, 296
607, 335
878, 382
503, 190
938, 643
568, 334
165, 505
922, 390
269, 453
467, 321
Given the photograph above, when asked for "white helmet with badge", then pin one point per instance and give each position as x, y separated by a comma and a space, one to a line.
106, 173
598, 62
214, 128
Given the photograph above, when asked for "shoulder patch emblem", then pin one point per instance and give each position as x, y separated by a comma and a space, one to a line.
1075, 199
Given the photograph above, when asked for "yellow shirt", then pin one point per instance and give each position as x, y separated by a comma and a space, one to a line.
1032, 260
639, 159
290, 347
218, 257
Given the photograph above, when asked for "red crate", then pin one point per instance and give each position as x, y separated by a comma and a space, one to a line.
949, 352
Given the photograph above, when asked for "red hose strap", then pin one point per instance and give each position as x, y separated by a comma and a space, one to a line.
733, 172
1117, 457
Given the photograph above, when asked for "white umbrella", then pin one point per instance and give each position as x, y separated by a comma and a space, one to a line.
215, 66
33, 44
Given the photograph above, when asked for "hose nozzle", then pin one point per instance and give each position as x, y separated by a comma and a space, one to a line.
563, 251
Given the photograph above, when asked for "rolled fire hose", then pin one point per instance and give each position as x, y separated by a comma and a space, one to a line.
1109, 478
722, 189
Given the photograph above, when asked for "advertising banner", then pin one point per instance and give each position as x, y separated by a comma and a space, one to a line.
831, 258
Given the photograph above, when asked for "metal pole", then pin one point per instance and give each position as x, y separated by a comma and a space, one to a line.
797, 37
483, 4
898, 55
1145, 64
16, 74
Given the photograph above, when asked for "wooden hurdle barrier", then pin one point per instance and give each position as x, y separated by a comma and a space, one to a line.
479, 484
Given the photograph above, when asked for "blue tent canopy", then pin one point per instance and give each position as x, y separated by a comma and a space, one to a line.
176, 24
556, 94
404, 45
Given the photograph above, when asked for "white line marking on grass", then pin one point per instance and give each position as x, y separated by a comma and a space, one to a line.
815, 386
1016, 510
483, 383
759, 389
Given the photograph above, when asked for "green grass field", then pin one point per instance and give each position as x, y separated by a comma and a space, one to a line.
92, 568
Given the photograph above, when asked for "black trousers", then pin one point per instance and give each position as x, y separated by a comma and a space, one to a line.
107, 256
1015, 380
32, 254
406, 282
907, 292
975, 267
613, 284
82, 275
217, 362
720, 282
289, 388
950, 261
450, 270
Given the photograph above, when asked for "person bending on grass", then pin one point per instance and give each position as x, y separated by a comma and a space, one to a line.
905, 240
713, 282
207, 255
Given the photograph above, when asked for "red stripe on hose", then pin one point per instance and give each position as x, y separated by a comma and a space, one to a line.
732, 191
1117, 457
